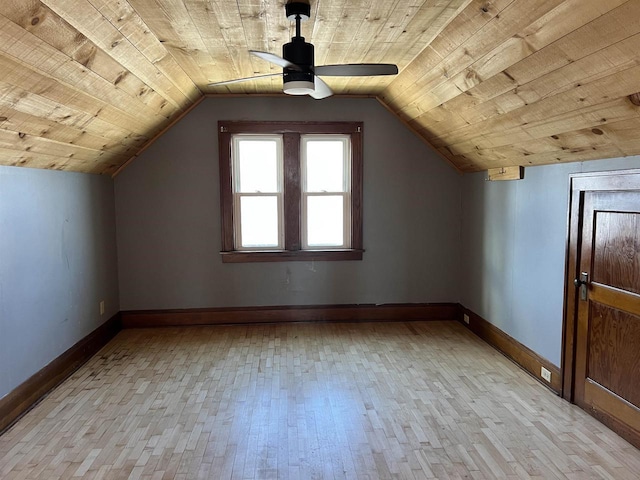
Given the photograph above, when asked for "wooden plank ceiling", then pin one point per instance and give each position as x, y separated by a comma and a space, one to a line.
86, 84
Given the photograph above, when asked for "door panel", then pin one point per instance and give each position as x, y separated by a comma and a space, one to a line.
599, 400
611, 354
607, 365
616, 261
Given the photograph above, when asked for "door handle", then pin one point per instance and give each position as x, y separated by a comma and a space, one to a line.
582, 283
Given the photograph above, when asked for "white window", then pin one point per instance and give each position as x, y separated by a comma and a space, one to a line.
326, 191
258, 192
290, 191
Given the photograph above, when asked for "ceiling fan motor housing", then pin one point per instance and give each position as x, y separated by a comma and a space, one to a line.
301, 54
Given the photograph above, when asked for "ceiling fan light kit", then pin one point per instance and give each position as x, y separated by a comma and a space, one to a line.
300, 87
299, 73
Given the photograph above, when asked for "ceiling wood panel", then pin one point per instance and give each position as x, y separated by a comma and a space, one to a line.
85, 85
44, 40
168, 81
477, 14
438, 84
555, 75
172, 23
24, 82
549, 71
525, 44
589, 103
10, 140
408, 27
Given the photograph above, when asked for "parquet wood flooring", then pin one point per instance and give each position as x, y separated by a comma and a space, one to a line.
308, 401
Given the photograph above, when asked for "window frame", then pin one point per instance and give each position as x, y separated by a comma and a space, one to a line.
292, 196
345, 193
279, 193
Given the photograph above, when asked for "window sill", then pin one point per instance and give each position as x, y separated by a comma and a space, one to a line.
291, 256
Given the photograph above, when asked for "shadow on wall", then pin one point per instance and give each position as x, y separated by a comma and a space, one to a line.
499, 208
488, 230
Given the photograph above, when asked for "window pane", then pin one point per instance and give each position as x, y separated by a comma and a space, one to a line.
259, 221
325, 166
258, 165
325, 222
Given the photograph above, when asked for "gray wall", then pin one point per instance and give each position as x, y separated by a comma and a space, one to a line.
514, 240
57, 261
168, 218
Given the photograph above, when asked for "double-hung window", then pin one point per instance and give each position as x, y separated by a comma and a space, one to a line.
326, 191
257, 192
291, 191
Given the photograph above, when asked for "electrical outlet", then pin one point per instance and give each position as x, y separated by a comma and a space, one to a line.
546, 374
102, 307
466, 318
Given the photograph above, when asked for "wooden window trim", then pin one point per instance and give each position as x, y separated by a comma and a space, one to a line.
291, 132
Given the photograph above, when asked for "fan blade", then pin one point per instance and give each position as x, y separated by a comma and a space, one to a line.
322, 90
275, 59
356, 69
240, 80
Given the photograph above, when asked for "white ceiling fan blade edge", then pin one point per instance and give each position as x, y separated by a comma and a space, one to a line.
275, 59
322, 90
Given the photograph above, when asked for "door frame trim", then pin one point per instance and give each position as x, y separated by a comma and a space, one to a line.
579, 183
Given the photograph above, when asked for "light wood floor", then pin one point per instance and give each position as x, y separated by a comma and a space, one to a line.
308, 401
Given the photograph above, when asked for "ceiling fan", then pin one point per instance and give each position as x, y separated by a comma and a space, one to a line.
299, 74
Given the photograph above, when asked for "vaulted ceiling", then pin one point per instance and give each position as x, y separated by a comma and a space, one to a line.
86, 84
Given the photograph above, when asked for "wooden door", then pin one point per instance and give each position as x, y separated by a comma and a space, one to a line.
607, 340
